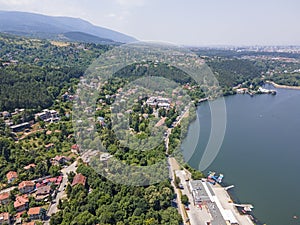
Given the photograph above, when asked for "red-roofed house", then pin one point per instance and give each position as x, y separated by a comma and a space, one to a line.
26, 187
11, 176
42, 193
4, 218
36, 213
19, 215
21, 203
4, 198
75, 148
79, 179
60, 159
48, 146
30, 223
51, 180
32, 165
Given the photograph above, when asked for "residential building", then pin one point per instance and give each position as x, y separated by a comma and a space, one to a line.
49, 181
5, 114
79, 179
37, 213
26, 187
50, 145
159, 101
47, 115
75, 148
4, 198
4, 218
11, 176
20, 127
42, 193
30, 223
18, 217
21, 203
60, 160
32, 165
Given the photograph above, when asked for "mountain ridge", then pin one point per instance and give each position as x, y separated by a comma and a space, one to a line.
44, 26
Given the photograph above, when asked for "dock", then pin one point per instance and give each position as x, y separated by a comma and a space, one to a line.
246, 207
229, 187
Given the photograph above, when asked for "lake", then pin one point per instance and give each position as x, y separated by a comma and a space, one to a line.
260, 153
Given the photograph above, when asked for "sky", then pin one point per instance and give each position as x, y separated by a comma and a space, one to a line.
184, 22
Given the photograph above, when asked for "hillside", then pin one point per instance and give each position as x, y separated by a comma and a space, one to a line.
33, 72
84, 37
42, 26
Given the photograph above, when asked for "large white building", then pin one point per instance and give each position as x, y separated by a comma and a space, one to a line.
47, 115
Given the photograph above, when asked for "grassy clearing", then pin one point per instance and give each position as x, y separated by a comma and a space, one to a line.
60, 44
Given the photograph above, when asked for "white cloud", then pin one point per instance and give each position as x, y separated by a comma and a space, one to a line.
121, 16
14, 3
111, 15
131, 3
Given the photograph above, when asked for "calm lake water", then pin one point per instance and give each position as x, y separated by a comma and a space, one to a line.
260, 154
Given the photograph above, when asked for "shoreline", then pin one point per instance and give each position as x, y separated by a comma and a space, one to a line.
226, 200
234, 198
280, 86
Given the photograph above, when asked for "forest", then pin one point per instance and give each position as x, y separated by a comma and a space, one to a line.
33, 72
109, 203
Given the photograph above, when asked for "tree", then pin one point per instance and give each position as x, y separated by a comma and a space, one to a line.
42, 124
54, 171
168, 122
185, 199
71, 175
68, 190
177, 181
60, 204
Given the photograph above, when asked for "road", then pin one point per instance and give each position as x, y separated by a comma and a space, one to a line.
173, 166
60, 194
197, 215
8, 189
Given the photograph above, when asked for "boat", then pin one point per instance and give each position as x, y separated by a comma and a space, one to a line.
213, 182
219, 180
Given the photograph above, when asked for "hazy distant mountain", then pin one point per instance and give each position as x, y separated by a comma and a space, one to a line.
37, 25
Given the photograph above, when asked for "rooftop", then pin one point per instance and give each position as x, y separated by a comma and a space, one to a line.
59, 158
32, 165
11, 174
4, 217
34, 211
79, 179
44, 190
30, 223
25, 183
4, 196
20, 201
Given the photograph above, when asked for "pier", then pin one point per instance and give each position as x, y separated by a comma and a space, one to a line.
247, 207
229, 187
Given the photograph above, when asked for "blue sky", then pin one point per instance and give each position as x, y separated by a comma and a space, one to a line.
189, 22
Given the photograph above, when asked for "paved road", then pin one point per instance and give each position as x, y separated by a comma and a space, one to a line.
53, 207
173, 166
225, 202
8, 189
197, 215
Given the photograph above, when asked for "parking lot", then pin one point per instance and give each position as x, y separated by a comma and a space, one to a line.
198, 215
